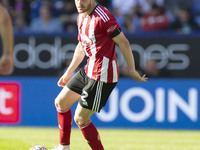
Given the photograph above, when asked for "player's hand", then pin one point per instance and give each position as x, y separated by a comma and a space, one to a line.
6, 64
64, 79
138, 78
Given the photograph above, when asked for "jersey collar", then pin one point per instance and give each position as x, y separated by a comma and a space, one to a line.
93, 10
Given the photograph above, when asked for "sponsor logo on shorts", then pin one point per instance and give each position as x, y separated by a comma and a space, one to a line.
85, 95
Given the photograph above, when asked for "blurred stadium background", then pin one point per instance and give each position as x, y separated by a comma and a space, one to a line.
164, 37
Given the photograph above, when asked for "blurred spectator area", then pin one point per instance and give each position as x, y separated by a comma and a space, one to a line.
45, 22
132, 15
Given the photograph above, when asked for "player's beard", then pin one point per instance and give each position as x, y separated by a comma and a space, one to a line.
85, 9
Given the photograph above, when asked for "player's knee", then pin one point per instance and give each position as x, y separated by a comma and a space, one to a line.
78, 119
59, 104
56, 102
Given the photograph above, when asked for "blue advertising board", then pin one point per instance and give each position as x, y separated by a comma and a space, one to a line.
157, 104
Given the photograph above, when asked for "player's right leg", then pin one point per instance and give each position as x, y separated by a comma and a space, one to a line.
68, 96
63, 103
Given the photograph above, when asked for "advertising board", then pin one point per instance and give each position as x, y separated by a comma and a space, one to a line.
34, 55
10, 102
157, 104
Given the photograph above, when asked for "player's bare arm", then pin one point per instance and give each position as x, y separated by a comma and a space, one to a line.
78, 57
125, 48
6, 61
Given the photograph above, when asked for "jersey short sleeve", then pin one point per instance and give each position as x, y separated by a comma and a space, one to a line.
110, 26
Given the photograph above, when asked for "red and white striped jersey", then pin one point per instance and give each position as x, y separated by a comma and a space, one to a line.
95, 33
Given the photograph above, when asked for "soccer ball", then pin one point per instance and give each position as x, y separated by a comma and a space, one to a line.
38, 147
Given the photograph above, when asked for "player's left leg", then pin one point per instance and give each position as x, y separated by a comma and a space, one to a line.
94, 96
89, 131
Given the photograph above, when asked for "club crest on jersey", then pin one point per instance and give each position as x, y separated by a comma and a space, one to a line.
86, 40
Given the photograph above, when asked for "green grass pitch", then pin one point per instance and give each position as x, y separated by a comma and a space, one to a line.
22, 138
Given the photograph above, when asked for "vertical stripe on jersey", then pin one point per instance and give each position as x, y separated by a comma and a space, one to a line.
80, 19
115, 72
104, 69
80, 23
83, 28
93, 49
97, 99
83, 32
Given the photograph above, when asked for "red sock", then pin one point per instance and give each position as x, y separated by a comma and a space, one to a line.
64, 123
91, 135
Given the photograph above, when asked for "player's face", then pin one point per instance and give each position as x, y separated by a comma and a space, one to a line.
84, 6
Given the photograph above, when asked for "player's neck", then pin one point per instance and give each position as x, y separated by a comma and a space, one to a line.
90, 10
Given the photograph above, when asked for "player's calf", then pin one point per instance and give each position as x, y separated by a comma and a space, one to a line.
91, 134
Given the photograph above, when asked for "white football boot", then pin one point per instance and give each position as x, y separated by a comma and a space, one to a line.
61, 147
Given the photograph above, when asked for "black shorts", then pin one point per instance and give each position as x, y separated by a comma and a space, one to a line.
94, 94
